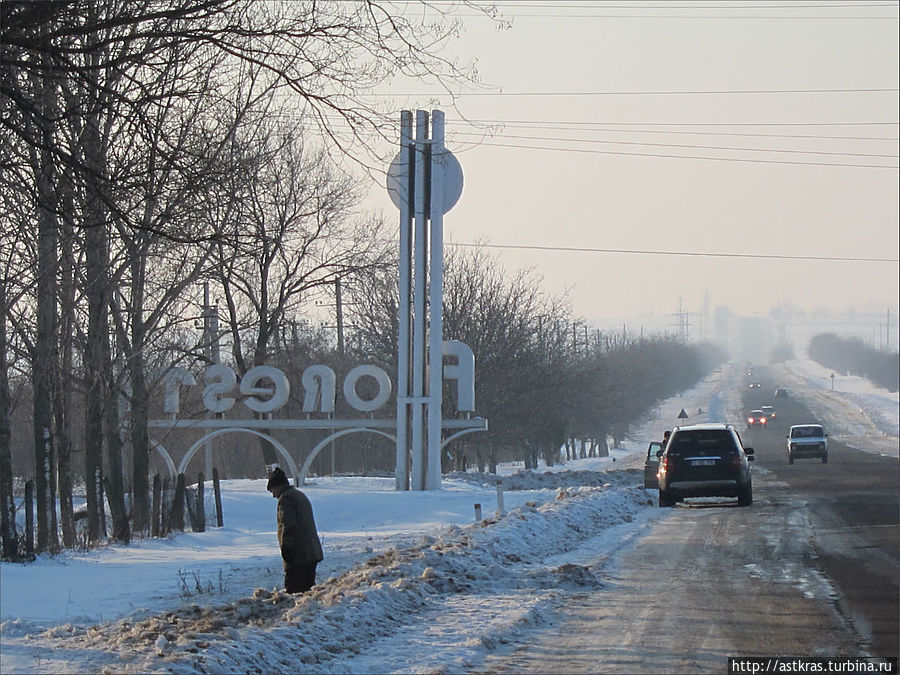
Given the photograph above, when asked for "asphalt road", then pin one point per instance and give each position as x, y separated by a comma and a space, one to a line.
810, 569
854, 505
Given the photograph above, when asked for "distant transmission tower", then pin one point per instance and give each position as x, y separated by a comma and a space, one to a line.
681, 322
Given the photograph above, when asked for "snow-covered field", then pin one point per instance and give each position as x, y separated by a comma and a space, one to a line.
410, 583
855, 412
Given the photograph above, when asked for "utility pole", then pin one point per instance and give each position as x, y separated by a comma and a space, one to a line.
340, 316
211, 353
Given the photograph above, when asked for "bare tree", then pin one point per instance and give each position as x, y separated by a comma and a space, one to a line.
326, 54
73, 75
7, 505
292, 230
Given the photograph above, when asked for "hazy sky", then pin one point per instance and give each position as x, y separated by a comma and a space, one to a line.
607, 109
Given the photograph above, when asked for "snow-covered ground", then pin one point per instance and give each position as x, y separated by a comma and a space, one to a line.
855, 411
410, 583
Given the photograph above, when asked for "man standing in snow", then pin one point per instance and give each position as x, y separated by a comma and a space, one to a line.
301, 549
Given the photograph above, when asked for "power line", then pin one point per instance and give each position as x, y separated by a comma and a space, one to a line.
599, 127
699, 92
646, 11
686, 124
582, 249
700, 157
728, 5
684, 145
727, 17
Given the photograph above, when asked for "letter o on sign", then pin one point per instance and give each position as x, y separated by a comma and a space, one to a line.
384, 388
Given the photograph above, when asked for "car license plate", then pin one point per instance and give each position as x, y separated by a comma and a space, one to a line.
704, 462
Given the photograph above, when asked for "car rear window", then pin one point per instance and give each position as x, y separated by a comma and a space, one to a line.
806, 432
702, 443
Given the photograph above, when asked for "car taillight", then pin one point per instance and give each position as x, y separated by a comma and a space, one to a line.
749, 420
762, 420
736, 462
667, 464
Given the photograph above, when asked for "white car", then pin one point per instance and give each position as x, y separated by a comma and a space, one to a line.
807, 440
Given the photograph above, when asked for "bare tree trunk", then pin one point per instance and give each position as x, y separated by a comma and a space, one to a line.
63, 425
7, 505
140, 443
140, 437
44, 367
94, 355
63, 399
115, 483
95, 292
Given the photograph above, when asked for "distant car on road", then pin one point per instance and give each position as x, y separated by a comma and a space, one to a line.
755, 385
781, 392
769, 411
705, 460
757, 418
651, 465
807, 440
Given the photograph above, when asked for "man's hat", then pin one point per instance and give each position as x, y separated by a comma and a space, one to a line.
277, 478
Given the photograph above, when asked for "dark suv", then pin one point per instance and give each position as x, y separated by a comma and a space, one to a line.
705, 460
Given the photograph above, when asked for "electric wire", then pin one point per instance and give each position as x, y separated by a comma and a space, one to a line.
684, 145
707, 254
662, 92
751, 160
602, 128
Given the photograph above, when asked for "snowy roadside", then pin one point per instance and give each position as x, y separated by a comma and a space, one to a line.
409, 584
855, 412
459, 594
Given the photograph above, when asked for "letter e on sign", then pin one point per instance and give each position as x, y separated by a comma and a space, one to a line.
277, 398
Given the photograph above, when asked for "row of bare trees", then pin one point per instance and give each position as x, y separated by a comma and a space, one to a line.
153, 149
542, 378
150, 146
852, 356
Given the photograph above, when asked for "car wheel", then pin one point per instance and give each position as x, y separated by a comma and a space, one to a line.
665, 499
790, 459
745, 496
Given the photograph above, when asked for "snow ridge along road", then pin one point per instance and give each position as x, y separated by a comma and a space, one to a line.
409, 584
385, 614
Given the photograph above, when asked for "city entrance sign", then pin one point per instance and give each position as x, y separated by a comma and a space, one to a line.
424, 181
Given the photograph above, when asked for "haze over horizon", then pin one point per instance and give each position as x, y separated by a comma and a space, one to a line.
643, 157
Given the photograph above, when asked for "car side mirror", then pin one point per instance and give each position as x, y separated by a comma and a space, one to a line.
659, 453
751, 454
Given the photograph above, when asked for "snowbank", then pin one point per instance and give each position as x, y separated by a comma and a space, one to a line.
856, 412
409, 584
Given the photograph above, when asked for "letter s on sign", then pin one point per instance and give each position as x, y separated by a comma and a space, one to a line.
277, 398
220, 379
